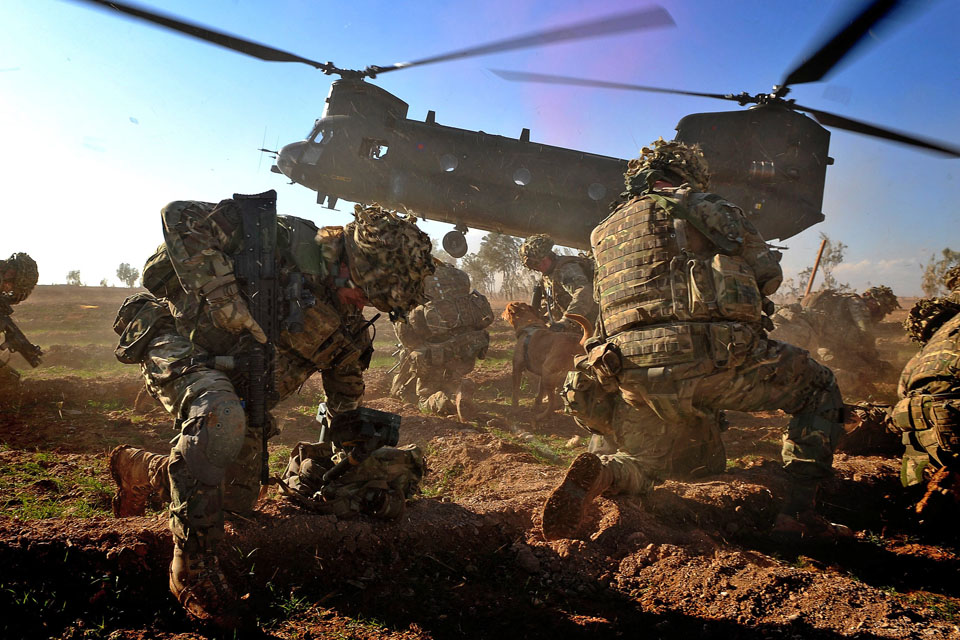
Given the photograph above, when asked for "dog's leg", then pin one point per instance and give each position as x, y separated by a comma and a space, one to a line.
517, 375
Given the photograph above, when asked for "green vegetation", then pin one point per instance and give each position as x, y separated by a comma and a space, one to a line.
442, 483
279, 458
47, 486
546, 449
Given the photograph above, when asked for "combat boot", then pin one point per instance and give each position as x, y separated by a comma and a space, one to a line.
139, 475
799, 521
565, 509
200, 586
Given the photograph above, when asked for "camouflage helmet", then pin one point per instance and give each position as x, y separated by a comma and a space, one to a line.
534, 249
25, 275
952, 278
927, 316
884, 297
683, 160
389, 257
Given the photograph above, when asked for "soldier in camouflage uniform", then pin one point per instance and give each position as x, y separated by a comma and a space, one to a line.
682, 279
441, 342
18, 277
380, 259
839, 327
928, 413
566, 283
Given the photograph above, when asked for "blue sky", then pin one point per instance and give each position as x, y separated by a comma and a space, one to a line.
106, 119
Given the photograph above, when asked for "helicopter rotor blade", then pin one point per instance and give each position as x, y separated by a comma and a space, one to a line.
817, 64
546, 78
841, 122
649, 18
248, 47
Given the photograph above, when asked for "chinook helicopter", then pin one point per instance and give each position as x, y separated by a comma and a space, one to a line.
365, 149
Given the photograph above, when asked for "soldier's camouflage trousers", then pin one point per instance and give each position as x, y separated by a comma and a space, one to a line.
668, 425
438, 367
215, 460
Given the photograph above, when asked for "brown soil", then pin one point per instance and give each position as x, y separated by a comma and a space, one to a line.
692, 559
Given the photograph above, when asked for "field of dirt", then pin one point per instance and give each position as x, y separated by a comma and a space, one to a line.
467, 559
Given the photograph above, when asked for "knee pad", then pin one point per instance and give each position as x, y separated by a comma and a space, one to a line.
211, 438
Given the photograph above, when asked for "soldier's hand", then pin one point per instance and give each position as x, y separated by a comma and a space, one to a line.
232, 314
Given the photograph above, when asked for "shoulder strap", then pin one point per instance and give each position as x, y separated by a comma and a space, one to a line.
679, 211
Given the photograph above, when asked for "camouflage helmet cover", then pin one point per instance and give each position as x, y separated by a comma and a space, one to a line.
927, 316
534, 249
389, 257
884, 297
685, 161
25, 274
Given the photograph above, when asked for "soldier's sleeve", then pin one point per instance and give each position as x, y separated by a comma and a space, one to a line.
576, 283
198, 236
729, 222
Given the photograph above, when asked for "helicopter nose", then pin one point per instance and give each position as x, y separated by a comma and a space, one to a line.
288, 157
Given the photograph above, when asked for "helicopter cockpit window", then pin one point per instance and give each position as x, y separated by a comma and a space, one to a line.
596, 191
373, 148
522, 176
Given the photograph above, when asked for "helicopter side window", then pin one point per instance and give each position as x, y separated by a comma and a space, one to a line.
374, 149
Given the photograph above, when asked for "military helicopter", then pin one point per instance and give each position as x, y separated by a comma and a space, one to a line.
365, 149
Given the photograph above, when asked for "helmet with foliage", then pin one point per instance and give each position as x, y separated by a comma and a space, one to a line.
389, 257
881, 297
24, 277
678, 162
952, 278
927, 316
534, 249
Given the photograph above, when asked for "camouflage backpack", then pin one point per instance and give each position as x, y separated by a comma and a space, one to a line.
379, 486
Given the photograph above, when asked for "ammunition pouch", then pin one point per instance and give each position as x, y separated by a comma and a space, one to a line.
139, 320
440, 319
590, 404
159, 277
940, 414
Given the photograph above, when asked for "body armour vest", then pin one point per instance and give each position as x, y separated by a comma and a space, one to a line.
936, 368
646, 276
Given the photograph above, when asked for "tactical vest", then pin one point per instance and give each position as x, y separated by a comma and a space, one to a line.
930, 386
558, 297
645, 277
452, 309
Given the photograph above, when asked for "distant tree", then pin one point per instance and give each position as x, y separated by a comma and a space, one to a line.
104, 283
932, 283
481, 278
73, 278
127, 274
833, 253
500, 255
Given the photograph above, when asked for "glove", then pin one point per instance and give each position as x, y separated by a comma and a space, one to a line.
231, 313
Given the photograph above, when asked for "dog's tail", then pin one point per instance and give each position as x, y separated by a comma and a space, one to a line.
584, 325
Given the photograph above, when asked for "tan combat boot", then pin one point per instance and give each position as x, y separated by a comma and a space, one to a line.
139, 475
799, 521
565, 509
200, 586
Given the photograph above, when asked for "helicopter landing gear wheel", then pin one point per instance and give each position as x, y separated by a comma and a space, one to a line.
455, 243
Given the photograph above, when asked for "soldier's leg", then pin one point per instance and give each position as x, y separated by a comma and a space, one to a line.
786, 377
213, 427
643, 458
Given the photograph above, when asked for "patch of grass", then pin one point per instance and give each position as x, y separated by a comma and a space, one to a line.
279, 459
48, 487
86, 373
942, 607
443, 483
546, 449
742, 462
105, 405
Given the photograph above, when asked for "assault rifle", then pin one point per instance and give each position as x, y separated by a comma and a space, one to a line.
360, 432
257, 277
13, 338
